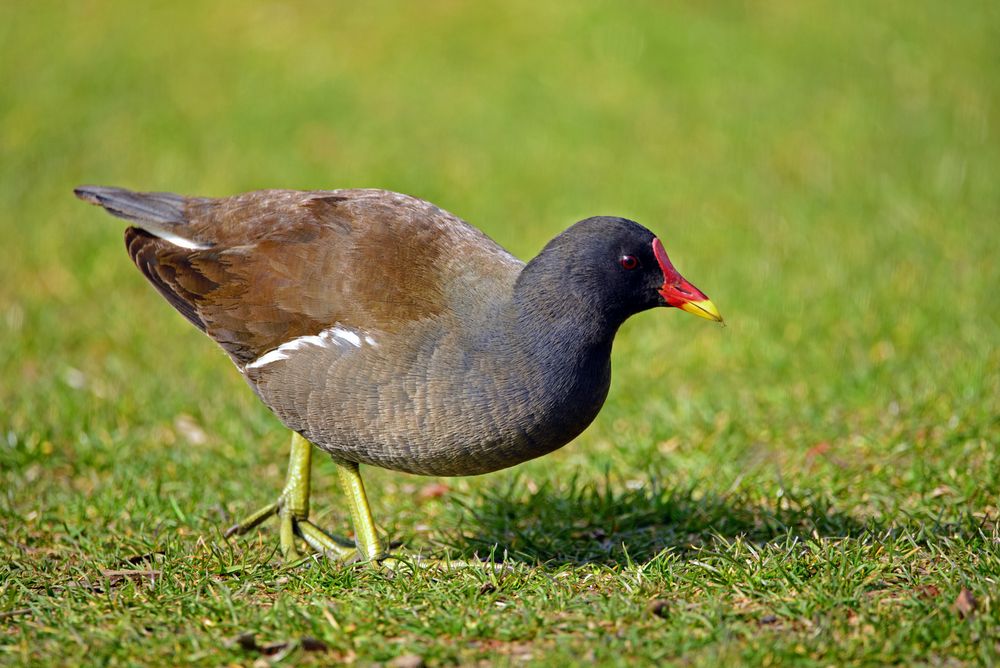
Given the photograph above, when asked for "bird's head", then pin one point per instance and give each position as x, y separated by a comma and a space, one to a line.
622, 268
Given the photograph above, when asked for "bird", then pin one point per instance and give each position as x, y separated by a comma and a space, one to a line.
388, 332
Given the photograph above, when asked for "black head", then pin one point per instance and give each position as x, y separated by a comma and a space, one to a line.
611, 268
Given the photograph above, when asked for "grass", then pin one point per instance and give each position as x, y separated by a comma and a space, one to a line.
815, 484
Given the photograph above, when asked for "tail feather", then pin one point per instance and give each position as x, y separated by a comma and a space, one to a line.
160, 214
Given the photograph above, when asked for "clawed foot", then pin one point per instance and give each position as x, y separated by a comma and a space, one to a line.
292, 509
296, 524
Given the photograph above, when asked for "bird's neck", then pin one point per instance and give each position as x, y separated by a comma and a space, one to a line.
560, 321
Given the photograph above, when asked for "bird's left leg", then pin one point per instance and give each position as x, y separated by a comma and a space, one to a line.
292, 509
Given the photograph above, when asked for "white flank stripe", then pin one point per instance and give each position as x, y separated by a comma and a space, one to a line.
176, 240
346, 335
332, 336
267, 358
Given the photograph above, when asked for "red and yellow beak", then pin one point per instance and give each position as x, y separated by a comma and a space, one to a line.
679, 293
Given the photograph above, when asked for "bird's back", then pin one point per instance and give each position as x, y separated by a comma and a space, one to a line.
258, 270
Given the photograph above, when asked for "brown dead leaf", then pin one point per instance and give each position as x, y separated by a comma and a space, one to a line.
815, 451
928, 591
189, 428
433, 490
965, 605
825, 450
407, 661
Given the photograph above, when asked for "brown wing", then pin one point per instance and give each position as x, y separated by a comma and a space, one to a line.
283, 264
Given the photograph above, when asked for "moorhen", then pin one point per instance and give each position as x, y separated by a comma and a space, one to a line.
389, 332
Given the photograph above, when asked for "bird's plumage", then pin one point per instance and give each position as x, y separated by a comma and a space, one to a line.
390, 332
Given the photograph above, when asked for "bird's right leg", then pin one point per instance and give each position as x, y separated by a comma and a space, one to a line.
370, 545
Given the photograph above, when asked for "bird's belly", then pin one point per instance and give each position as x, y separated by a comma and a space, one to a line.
432, 456
447, 448
447, 436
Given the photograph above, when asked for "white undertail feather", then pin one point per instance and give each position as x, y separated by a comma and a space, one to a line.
159, 214
174, 239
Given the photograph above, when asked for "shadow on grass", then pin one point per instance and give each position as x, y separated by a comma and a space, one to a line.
613, 522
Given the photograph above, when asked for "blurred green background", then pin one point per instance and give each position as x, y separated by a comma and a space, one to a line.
829, 173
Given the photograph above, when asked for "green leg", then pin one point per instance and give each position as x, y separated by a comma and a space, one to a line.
366, 536
292, 509
370, 545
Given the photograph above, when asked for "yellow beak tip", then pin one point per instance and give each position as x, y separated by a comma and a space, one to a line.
703, 309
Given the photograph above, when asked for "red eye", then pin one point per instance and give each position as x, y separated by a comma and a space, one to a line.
629, 262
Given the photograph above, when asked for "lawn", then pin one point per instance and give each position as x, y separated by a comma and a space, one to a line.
816, 483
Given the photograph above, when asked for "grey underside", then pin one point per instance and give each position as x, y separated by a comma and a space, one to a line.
449, 408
